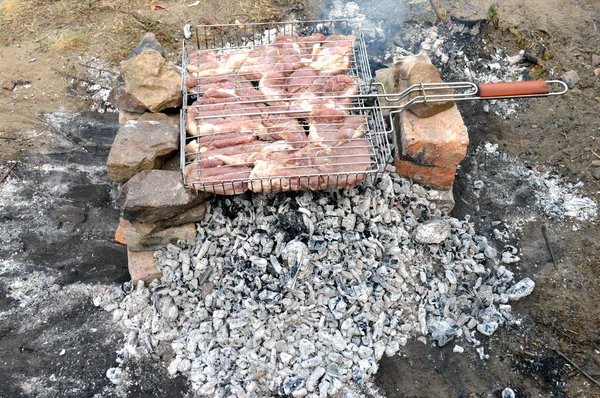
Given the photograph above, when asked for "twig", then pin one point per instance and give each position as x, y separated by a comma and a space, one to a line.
594, 153
8, 172
548, 246
578, 368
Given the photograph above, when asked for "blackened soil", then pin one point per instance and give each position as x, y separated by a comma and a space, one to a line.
59, 230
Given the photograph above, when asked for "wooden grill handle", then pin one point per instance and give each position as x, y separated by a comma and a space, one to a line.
513, 89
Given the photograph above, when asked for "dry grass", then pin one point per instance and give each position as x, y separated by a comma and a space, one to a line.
269, 10
72, 42
103, 27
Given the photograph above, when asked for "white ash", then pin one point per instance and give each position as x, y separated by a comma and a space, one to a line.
552, 194
279, 295
93, 80
463, 58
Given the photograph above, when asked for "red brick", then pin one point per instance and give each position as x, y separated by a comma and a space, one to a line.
408, 71
142, 266
429, 176
440, 140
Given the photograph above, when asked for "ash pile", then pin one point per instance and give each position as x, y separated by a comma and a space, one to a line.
302, 294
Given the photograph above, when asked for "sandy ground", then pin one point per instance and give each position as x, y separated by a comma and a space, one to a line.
59, 210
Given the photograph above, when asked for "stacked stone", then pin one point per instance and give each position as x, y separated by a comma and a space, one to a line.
430, 138
157, 208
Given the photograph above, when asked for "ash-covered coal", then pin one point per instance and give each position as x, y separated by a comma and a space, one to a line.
251, 309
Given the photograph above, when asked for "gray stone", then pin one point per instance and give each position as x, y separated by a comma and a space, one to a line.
122, 100
443, 199
571, 78
595, 59
433, 231
520, 289
440, 330
141, 146
508, 393
192, 215
125, 116
148, 236
154, 195
148, 42
153, 82
487, 328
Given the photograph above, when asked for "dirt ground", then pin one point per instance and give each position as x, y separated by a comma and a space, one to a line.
60, 54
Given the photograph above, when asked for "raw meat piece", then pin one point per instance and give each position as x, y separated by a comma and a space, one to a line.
292, 173
309, 47
226, 83
261, 60
339, 86
335, 55
289, 53
218, 116
207, 63
352, 157
302, 80
283, 126
215, 179
332, 127
272, 86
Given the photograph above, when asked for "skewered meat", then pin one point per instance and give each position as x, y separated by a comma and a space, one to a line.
333, 127
334, 56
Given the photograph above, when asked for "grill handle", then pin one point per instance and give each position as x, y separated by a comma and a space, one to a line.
513, 89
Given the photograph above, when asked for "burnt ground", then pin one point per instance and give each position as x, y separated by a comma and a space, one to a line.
59, 215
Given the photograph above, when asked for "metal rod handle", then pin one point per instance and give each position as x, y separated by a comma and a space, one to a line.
518, 89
